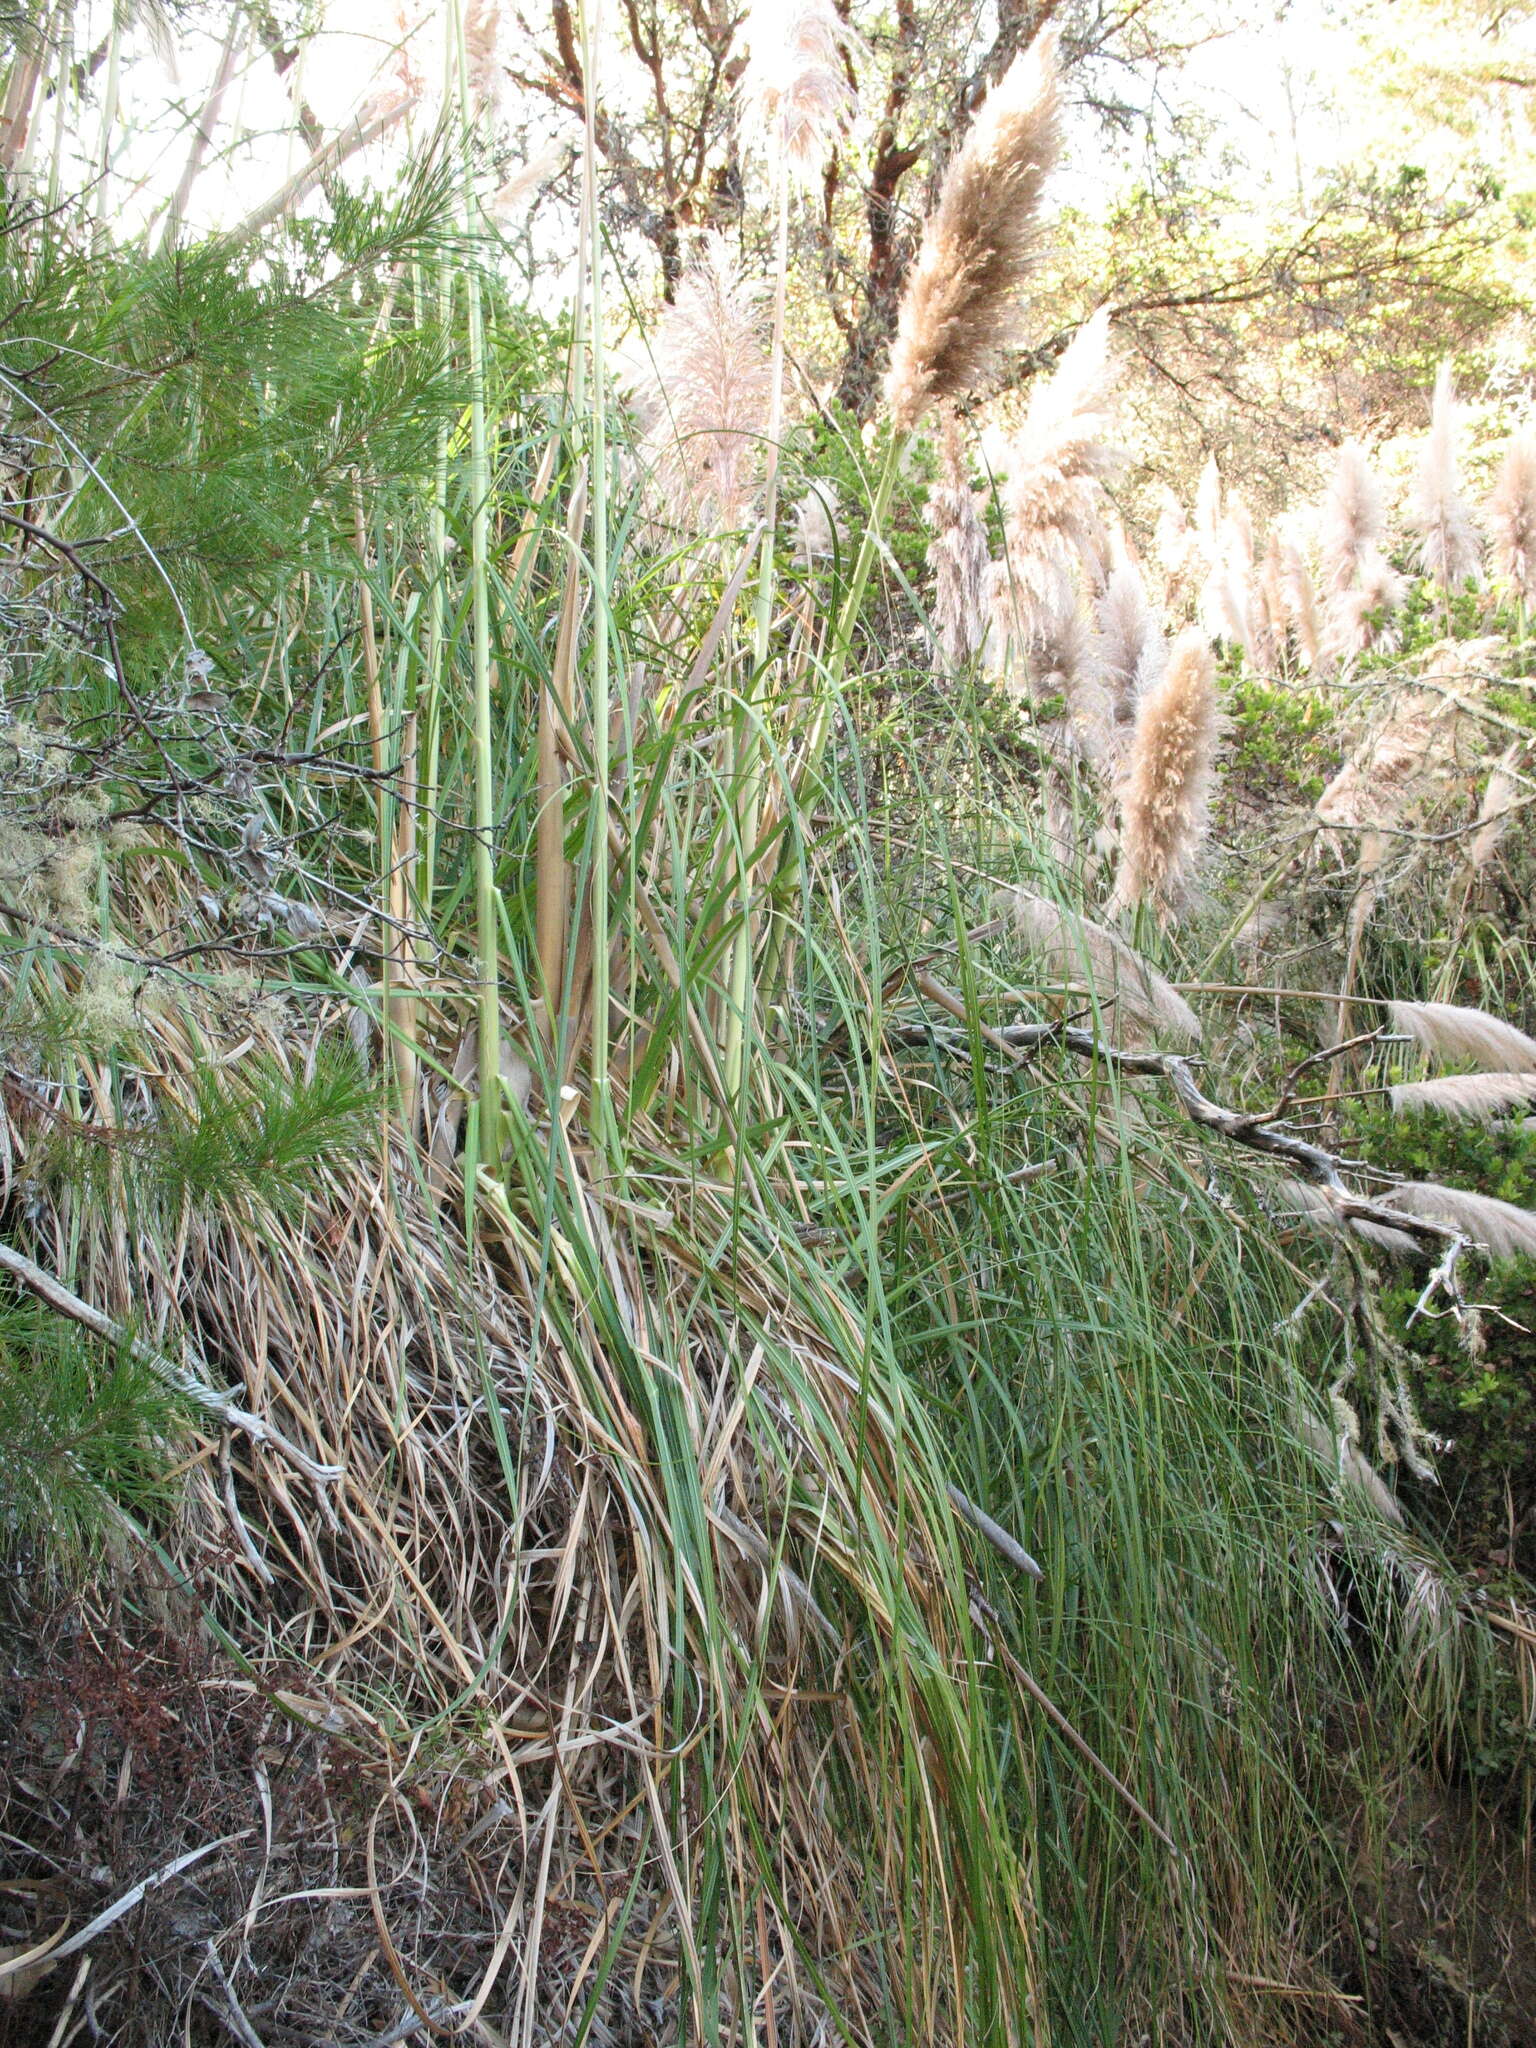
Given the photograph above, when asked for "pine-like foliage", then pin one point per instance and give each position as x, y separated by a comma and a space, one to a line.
1165, 799
960, 310
83, 1434
1450, 550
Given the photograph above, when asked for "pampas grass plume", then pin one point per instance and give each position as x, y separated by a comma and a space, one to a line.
1494, 812
1354, 518
711, 395
1512, 519
1055, 467
1467, 1097
1208, 510
1121, 980
957, 554
1449, 548
819, 529
795, 93
1317, 1209
960, 309
1165, 800
1301, 601
1505, 1231
1454, 1033
1131, 650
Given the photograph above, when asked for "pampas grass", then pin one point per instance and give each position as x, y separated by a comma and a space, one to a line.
795, 94
1165, 800
1512, 520
1128, 990
819, 529
1502, 1229
1392, 769
1226, 601
957, 554
1055, 466
1062, 660
1132, 652
1453, 1033
1303, 1203
1467, 1097
1449, 549
1360, 583
1353, 519
1177, 547
960, 310
711, 399
1497, 807
1208, 510
1300, 600
1269, 615
1359, 619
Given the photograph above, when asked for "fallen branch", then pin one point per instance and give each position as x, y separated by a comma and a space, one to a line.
179, 1378
1258, 1134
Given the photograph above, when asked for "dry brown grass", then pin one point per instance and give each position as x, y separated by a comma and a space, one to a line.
494, 1609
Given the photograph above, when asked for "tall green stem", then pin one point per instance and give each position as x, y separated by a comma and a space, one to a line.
602, 1106
746, 778
487, 938
834, 669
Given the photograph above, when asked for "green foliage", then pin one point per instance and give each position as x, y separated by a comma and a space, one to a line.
1476, 1387
82, 1432
1283, 741
249, 1138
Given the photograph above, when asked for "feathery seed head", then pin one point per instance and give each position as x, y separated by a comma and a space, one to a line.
1467, 1096
1360, 615
1354, 518
1501, 1228
1457, 1033
957, 554
1055, 468
711, 395
1300, 601
1131, 647
795, 94
960, 309
1512, 519
1450, 548
1496, 809
819, 530
1165, 801
1208, 509
1118, 976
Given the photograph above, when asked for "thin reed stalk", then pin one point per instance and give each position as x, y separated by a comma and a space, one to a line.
487, 908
